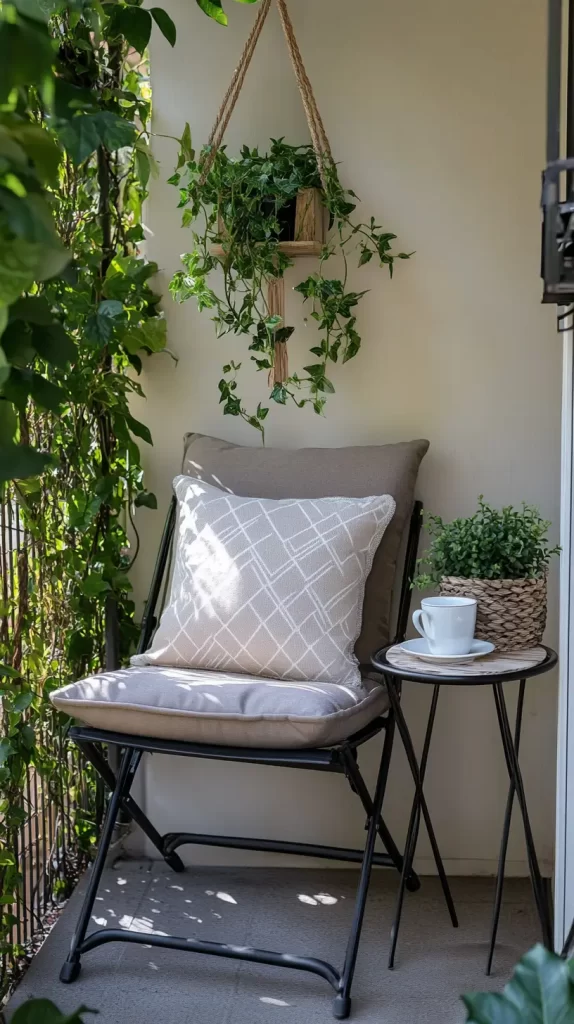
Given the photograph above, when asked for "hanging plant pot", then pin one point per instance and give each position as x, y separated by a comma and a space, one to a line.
302, 224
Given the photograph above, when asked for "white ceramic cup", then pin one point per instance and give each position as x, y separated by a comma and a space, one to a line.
447, 623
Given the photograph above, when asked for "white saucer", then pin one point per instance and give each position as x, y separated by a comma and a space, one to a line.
420, 649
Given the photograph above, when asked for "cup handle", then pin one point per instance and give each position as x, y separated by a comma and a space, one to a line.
422, 624
417, 623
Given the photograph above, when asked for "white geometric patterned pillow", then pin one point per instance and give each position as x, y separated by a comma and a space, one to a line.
270, 588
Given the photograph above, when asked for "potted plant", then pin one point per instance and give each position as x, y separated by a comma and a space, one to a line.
252, 216
500, 557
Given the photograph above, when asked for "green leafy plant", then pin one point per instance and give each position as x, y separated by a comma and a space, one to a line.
238, 211
78, 314
214, 9
541, 989
43, 1011
492, 544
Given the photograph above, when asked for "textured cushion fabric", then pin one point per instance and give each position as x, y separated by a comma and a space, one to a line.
221, 709
318, 473
268, 587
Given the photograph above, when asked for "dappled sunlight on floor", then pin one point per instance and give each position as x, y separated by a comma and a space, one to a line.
299, 911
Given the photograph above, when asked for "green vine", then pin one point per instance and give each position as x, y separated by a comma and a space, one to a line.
74, 169
238, 212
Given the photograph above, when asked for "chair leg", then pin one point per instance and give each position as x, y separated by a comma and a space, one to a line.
94, 755
71, 968
359, 786
342, 1003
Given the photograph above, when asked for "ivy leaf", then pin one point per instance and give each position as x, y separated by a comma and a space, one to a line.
42, 148
31, 9
33, 309
82, 514
100, 325
28, 55
151, 335
68, 99
142, 167
6, 749
115, 132
110, 308
214, 10
22, 701
145, 499
34, 1011
139, 429
164, 23
80, 646
80, 137
8, 421
134, 23
366, 257
18, 263
93, 585
46, 394
186, 154
9, 672
539, 990
19, 461
83, 134
4, 367
279, 394
53, 345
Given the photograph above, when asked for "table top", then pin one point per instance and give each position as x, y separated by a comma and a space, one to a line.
493, 668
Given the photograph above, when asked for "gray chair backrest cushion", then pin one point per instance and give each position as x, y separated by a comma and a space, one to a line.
356, 472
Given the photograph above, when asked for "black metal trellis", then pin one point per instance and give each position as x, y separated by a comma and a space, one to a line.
48, 853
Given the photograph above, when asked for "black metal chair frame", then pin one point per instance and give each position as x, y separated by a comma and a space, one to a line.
342, 758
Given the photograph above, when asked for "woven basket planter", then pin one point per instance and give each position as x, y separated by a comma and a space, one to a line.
510, 613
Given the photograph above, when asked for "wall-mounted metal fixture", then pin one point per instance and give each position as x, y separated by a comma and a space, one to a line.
558, 177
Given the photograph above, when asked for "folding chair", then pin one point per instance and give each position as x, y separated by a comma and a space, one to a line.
341, 757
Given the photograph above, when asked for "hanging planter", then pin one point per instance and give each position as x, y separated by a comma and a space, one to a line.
252, 217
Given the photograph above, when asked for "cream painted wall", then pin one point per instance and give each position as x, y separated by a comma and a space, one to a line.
436, 110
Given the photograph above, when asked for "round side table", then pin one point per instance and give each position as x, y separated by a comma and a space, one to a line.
493, 670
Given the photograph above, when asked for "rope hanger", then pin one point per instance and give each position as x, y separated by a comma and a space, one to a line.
276, 286
316, 127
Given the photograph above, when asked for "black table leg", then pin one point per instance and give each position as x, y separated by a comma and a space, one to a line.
511, 755
505, 833
419, 804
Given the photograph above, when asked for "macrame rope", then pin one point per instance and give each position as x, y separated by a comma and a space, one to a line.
232, 95
276, 296
314, 120
317, 131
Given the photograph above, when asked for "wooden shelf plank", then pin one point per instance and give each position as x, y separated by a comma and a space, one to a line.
289, 248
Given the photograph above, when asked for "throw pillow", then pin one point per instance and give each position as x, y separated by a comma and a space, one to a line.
265, 587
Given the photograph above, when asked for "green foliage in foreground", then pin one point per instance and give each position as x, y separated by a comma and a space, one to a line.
541, 991
492, 544
42, 1011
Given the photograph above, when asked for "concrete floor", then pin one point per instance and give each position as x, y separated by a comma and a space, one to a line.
302, 911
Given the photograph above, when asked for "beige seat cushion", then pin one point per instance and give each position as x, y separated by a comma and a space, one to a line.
266, 587
225, 710
318, 473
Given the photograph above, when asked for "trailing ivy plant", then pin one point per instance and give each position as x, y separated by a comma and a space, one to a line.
239, 208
